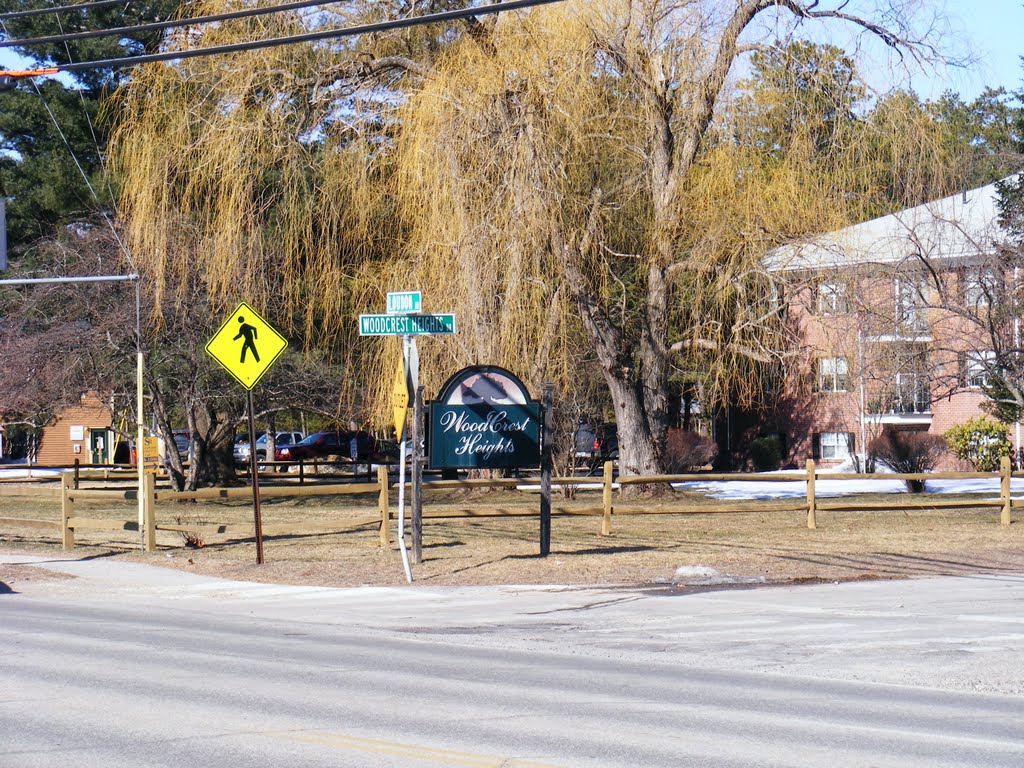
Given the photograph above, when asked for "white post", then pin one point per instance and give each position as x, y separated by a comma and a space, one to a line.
863, 452
1016, 352
140, 450
139, 446
401, 473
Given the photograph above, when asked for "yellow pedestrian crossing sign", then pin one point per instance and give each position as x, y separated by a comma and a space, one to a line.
246, 345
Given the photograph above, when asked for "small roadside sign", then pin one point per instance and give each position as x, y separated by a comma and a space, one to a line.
404, 302
246, 345
151, 455
400, 400
406, 325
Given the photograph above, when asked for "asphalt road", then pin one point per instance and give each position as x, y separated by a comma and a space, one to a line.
128, 665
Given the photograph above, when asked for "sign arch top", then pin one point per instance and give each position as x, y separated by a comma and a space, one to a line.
484, 385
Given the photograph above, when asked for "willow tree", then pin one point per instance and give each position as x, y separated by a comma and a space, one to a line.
578, 163
242, 177
561, 178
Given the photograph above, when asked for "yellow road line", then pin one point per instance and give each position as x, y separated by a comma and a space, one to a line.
414, 751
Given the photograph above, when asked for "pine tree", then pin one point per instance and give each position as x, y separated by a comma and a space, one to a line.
51, 134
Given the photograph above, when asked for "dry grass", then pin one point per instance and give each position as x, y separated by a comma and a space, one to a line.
340, 544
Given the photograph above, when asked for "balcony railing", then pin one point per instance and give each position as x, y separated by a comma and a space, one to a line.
914, 400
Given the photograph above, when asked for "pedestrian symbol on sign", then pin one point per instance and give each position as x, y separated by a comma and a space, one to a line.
250, 333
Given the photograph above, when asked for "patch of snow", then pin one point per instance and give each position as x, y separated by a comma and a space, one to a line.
702, 575
695, 571
26, 472
823, 487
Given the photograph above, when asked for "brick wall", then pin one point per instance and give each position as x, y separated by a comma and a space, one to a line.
804, 411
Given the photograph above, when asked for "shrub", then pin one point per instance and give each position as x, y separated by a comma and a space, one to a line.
765, 453
908, 452
687, 450
980, 441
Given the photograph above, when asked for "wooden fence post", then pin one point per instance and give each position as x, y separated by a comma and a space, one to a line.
812, 519
148, 492
67, 510
1004, 489
382, 504
606, 498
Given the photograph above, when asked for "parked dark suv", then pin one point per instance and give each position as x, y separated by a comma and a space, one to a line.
596, 444
339, 443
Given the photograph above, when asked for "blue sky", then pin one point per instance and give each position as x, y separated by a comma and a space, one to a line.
991, 31
995, 33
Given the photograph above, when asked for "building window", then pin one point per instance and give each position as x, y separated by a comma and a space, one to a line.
977, 368
906, 377
832, 298
835, 445
833, 374
911, 393
911, 306
979, 286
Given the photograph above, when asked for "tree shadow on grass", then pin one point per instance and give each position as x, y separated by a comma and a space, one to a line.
589, 551
886, 564
444, 545
900, 564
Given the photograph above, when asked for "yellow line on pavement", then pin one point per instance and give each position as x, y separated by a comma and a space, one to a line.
414, 751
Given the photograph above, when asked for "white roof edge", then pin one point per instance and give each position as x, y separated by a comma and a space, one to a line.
953, 227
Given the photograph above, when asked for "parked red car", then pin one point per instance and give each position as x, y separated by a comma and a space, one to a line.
339, 443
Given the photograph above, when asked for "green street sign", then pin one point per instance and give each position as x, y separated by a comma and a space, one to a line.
406, 325
404, 302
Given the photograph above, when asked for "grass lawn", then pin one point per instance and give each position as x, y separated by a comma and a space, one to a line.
321, 540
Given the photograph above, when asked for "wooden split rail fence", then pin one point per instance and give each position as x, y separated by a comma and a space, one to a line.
808, 503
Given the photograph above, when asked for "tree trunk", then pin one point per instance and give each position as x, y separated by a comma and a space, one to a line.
271, 436
639, 422
637, 451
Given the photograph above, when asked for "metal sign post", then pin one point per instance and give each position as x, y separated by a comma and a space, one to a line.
254, 472
403, 319
545, 472
417, 475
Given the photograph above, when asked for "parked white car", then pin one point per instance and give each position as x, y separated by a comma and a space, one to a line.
282, 438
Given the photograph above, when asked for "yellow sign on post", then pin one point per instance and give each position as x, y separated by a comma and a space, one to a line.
246, 345
150, 455
400, 400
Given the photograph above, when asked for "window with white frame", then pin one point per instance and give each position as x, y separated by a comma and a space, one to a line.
835, 445
833, 374
979, 286
832, 298
978, 368
911, 304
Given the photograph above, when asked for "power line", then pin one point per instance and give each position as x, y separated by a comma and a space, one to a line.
166, 24
362, 29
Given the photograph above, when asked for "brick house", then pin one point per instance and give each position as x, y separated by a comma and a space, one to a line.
897, 324
82, 431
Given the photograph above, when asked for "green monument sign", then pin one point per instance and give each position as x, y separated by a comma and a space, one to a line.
484, 419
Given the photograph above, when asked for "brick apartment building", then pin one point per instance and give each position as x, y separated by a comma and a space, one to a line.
899, 319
